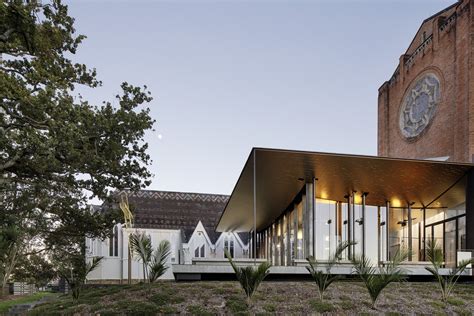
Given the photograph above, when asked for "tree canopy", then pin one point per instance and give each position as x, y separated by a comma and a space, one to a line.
56, 148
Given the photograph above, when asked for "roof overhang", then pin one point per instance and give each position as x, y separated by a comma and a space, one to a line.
281, 174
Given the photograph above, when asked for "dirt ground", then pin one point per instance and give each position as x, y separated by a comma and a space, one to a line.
283, 297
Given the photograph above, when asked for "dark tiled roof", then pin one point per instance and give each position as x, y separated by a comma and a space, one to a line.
177, 210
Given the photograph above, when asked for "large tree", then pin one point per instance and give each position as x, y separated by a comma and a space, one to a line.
57, 150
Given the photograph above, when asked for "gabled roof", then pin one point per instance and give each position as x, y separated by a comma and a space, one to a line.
177, 210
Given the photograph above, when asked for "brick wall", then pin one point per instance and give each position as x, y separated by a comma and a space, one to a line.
441, 46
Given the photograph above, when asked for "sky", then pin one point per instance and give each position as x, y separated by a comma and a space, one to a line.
227, 76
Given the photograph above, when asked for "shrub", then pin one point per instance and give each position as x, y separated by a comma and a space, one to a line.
249, 277
324, 278
446, 282
376, 279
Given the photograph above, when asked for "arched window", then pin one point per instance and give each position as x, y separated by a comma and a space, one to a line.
229, 246
200, 252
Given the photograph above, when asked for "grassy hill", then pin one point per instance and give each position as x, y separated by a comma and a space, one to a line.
210, 298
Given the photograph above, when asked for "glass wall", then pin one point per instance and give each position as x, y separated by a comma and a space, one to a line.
299, 209
371, 233
357, 228
325, 228
382, 233
345, 229
379, 233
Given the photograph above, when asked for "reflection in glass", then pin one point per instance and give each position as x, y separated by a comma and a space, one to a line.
345, 228
462, 233
417, 228
383, 234
450, 243
357, 222
300, 230
371, 235
325, 228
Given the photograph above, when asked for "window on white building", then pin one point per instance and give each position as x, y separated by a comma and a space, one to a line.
113, 243
229, 246
200, 252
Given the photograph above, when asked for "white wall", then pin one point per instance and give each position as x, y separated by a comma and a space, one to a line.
116, 267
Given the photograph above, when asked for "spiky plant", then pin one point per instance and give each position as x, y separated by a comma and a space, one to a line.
249, 277
141, 247
75, 273
378, 278
446, 283
158, 265
324, 277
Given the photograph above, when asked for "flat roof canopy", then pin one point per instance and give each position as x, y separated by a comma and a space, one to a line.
281, 175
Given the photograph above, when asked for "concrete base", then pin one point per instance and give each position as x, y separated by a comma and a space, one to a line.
222, 270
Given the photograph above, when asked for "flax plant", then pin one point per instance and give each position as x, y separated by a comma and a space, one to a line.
323, 276
249, 277
378, 278
446, 282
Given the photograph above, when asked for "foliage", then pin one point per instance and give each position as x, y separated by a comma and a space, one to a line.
34, 269
160, 256
377, 278
153, 262
141, 247
8, 253
324, 278
249, 277
446, 283
56, 148
74, 269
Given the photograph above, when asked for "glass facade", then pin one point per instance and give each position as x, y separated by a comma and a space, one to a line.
379, 230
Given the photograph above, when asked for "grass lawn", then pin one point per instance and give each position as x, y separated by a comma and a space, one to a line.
9, 301
284, 298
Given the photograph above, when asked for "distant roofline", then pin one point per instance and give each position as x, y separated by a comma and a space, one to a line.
180, 192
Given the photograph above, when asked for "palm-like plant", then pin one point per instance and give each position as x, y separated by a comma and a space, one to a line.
324, 278
142, 248
249, 277
376, 279
158, 265
75, 273
446, 282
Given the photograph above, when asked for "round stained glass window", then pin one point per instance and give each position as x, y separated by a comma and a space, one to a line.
419, 105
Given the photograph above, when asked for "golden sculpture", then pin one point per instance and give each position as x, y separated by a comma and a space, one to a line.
127, 214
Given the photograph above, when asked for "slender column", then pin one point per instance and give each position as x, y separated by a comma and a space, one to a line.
270, 244
363, 223
470, 210
353, 222
410, 233
349, 225
387, 231
295, 239
306, 225
379, 240
424, 234
282, 239
309, 220
254, 205
288, 243
313, 235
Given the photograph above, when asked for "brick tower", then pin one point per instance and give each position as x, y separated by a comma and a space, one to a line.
426, 108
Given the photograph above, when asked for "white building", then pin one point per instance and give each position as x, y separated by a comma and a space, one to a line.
186, 220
